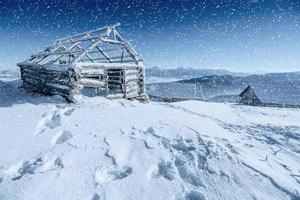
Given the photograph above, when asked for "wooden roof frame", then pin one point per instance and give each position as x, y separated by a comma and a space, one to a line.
99, 43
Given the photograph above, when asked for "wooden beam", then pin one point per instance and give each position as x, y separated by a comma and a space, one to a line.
101, 51
130, 51
87, 32
86, 51
68, 49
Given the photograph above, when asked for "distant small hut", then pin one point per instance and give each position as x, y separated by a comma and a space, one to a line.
273, 95
99, 59
249, 97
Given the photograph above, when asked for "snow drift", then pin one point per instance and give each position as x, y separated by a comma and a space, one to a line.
118, 149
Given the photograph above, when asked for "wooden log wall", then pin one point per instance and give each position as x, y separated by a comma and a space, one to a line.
49, 81
127, 81
134, 82
94, 77
124, 81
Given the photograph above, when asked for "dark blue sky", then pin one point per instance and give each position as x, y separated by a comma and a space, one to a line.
248, 35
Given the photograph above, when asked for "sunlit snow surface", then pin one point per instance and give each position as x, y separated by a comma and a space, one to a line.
118, 149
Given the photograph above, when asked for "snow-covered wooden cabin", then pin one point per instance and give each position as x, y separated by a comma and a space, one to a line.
99, 59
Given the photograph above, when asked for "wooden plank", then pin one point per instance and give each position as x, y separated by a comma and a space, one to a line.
47, 78
115, 85
66, 39
43, 83
131, 80
132, 76
132, 94
46, 88
135, 87
129, 72
93, 76
115, 81
91, 82
91, 71
132, 84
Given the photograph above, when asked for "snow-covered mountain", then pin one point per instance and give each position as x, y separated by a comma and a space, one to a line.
277, 87
117, 149
187, 72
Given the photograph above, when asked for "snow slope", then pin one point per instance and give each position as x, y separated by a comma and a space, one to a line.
117, 149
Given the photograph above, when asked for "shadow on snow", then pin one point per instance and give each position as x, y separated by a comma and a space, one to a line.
11, 94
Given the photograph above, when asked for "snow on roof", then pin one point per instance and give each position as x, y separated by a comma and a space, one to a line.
102, 45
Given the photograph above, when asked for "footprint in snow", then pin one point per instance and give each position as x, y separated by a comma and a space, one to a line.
61, 137
94, 196
20, 169
69, 112
194, 195
106, 174
49, 120
52, 119
186, 174
33, 166
166, 170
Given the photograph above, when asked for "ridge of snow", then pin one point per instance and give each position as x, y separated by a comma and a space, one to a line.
118, 149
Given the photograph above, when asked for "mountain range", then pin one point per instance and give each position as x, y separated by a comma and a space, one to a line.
275, 87
183, 72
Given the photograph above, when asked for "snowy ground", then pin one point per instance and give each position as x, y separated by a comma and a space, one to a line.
118, 149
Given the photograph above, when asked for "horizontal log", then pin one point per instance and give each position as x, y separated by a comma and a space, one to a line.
64, 52
47, 88
100, 88
115, 96
115, 77
132, 83
116, 58
58, 86
120, 87
132, 94
132, 72
108, 66
90, 67
91, 72
133, 90
43, 83
114, 69
115, 81
96, 76
65, 81
47, 72
92, 83
46, 77
131, 80
132, 76
135, 87
96, 38
45, 67
126, 61
116, 73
